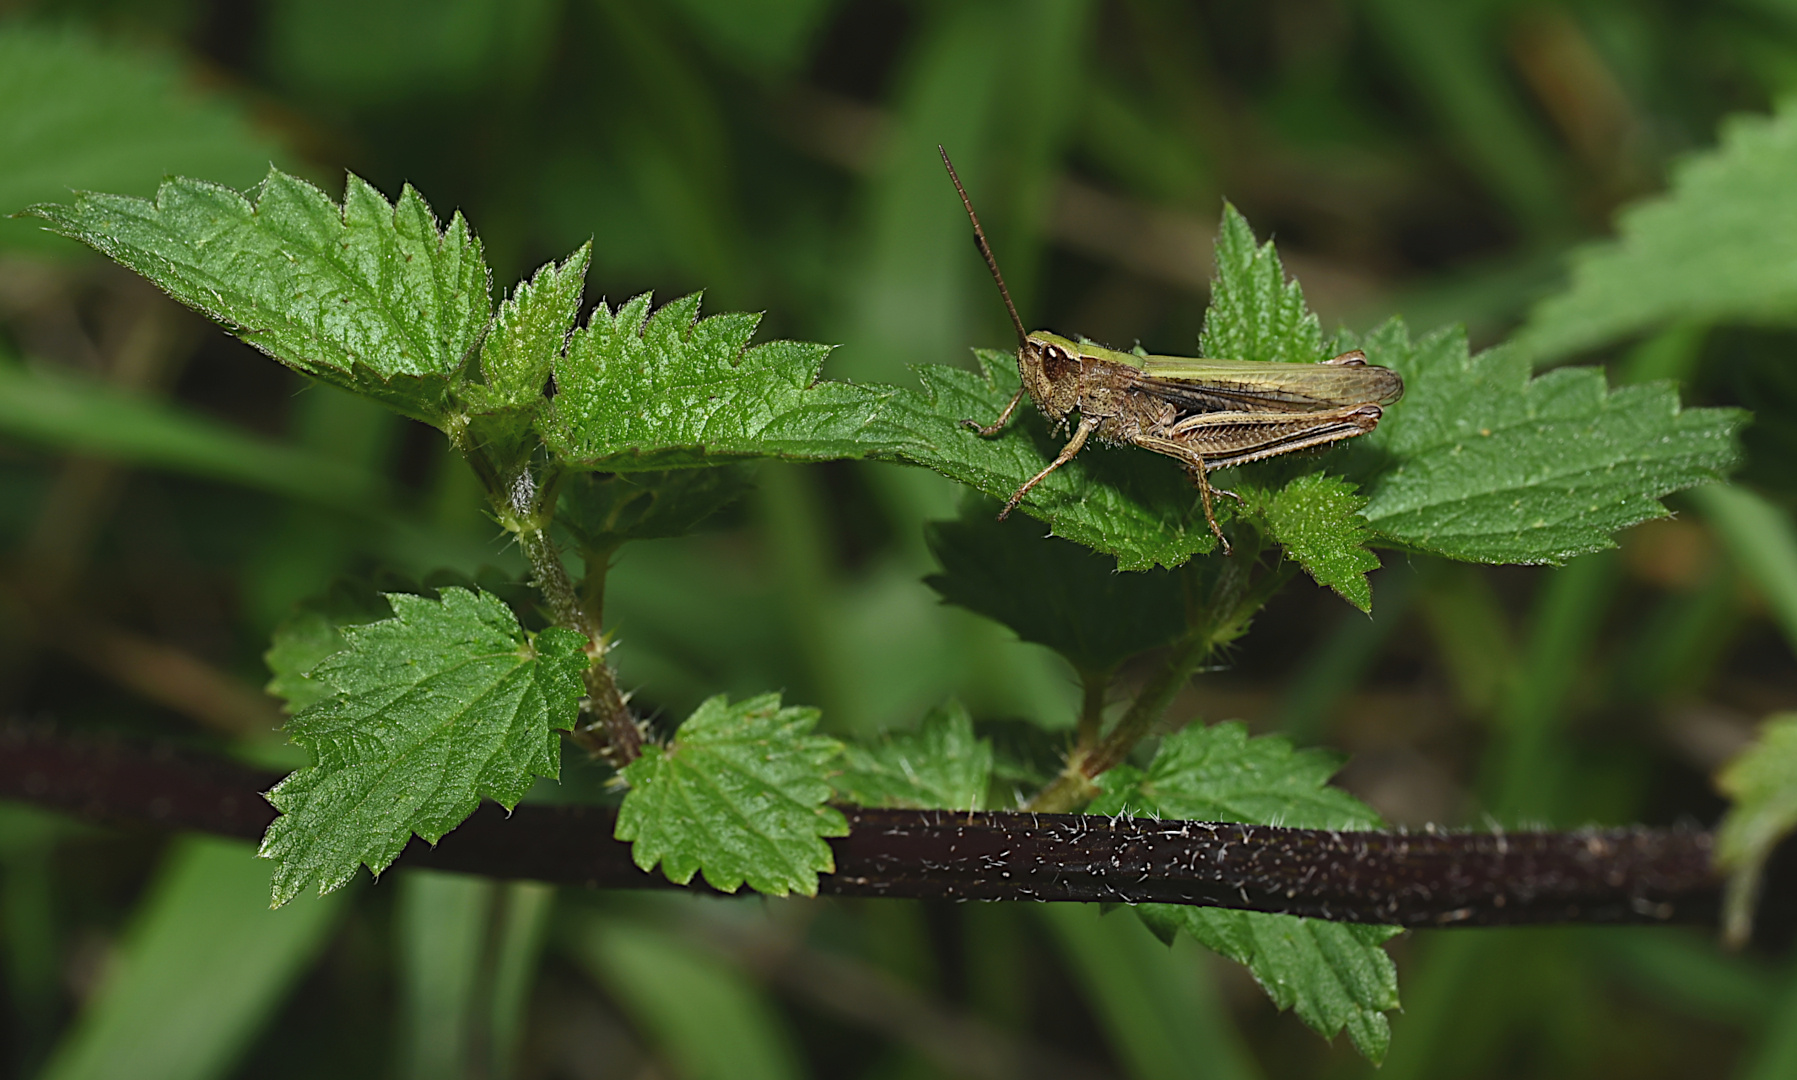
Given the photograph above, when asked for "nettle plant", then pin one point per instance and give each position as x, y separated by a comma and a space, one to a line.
635, 424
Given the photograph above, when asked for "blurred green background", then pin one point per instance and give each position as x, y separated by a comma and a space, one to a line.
166, 496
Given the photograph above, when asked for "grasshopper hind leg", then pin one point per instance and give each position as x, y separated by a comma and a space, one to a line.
1199, 474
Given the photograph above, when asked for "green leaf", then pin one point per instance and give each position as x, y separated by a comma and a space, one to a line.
1333, 975
371, 296
637, 391
1317, 519
446, 702
1720, 246
940, 766
1125, 502
603, 510
1483, 463
312, 632
739, 795
1218, 773
1762, 781
1255, 313
1051, 591
80, 113
528, 333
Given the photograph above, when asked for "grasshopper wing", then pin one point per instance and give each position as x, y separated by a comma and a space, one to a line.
1207, 385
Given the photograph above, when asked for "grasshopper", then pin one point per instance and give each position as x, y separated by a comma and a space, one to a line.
1204, 413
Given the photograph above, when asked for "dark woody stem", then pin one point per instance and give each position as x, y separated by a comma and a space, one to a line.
1634, 875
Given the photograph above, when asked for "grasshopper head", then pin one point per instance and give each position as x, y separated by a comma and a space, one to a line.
1051, 369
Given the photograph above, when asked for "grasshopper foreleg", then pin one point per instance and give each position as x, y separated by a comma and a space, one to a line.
1087, 425
996, 426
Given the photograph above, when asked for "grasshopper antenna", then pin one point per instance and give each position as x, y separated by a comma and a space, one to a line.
979, 237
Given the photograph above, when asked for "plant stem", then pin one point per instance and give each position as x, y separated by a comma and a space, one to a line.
1095, 685
525, 508
1237, 597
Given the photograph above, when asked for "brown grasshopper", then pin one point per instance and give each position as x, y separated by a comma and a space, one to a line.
1206, 414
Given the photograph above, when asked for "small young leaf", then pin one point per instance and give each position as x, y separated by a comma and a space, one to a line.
940, 766
372, 296
313, 632
1483, 463
603, 510
1316, 518
1051, 591
1720, 246
739, 796
529, 332
1332, 975
1255, 313
448, 701
1762, 781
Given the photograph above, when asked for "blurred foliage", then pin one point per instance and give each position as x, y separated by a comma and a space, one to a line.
1431, 161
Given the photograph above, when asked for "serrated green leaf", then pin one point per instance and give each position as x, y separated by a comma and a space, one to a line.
1483, 463
80, 113
1762, 781
312, 632
1720, 246
940, 766
529, 332
1317, 519
1333, 975
739, 796
1051, 591
1128, 503
1255, 313
1218, 773
445, 703
371, 296
639, 391
603, 510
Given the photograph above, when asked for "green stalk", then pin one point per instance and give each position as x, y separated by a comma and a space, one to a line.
1238, 601
524, 503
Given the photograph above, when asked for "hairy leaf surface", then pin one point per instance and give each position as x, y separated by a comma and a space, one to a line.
739, 795
373, 296
1481, 462
445, 703
1317, 519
